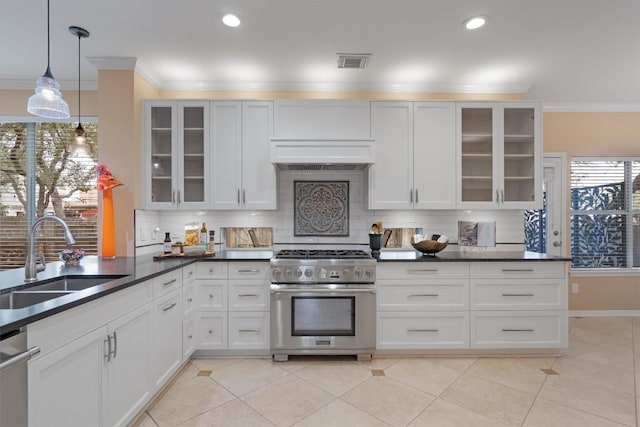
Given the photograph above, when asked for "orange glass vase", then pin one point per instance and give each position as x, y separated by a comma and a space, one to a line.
108, 225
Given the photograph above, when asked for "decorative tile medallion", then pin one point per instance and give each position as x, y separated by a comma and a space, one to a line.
321, 208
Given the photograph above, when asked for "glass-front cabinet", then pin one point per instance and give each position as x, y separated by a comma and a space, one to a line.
177, 153
500, 151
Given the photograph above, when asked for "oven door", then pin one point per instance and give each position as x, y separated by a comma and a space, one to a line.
323, 321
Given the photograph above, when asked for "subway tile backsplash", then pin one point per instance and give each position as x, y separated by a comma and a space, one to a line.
509, 223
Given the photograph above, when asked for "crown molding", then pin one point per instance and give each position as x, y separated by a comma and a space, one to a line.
591, 107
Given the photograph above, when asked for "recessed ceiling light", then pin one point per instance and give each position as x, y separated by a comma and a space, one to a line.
475, 22
231, 20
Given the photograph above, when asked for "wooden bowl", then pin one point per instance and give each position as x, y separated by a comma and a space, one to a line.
429, 247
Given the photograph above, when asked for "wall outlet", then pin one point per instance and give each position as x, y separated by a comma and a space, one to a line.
575, 288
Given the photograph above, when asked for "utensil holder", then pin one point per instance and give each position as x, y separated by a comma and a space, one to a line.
375, 242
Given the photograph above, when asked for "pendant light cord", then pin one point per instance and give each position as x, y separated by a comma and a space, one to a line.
79, 37
48, 72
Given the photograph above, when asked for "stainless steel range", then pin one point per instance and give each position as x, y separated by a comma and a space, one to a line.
323, 302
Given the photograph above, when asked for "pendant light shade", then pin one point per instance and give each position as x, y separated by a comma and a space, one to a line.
47, 102
79, 134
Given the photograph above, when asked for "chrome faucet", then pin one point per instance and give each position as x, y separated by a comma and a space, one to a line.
31, 267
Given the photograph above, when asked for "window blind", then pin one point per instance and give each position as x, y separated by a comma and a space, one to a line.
605, 213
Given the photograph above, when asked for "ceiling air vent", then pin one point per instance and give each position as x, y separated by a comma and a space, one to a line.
353, 60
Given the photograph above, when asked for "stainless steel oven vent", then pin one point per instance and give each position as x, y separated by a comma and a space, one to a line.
353, 60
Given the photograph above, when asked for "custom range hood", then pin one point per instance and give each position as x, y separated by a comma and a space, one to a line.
322, 154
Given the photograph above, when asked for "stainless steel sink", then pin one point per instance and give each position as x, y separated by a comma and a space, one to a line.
71, 283
46, 290
22, 299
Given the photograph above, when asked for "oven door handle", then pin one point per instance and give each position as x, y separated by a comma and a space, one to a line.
324, 291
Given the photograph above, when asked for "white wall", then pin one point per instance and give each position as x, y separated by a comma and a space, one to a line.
509, 224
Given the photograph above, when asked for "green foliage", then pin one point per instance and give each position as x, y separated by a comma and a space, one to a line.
61, 170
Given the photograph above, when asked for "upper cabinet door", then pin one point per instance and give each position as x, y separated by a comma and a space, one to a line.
161, 151
330, 119
259, 181
434, 155
226, 154
391, 177
522, 157
193, 146
500, 149
176, 153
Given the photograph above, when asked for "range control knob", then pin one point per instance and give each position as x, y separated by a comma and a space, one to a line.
357, 273
276, 273
308, 272
368, 274
298, 272
346, 273
322, 273
289, 273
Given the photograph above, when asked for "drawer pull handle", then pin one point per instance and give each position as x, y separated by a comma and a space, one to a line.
517, 270
426, 270
518, 330
256, 331
252, 270
210, 295
517, 295
210, 331
423, 295
247, 295
170, 282
211, 270
423, 330
169, 307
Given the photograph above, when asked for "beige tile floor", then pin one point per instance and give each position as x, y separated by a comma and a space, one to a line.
596, 382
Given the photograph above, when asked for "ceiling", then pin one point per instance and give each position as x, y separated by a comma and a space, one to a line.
561, 52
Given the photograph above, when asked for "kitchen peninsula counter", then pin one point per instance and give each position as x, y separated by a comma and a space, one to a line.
134, 269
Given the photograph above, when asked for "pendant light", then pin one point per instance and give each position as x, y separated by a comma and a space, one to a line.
47, 102
79, 134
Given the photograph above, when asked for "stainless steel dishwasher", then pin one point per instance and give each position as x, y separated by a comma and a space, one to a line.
13, 378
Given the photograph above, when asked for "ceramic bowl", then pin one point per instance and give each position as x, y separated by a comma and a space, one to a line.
428, 247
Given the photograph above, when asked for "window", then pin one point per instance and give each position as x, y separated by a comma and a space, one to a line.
65, 186
605, 213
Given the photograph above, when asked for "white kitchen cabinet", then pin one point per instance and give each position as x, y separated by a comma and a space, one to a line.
322, 119
518, 305
176, 136
423, 305
166, 337
243, 176
98, 378
499, 155
415, 148
232, 303
66, 385
127, 372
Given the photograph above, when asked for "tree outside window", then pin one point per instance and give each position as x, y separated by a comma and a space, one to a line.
65, 186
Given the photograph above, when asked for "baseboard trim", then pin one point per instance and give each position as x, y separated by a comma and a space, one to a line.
603, 313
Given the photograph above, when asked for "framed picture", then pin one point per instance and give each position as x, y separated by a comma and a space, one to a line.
321, 208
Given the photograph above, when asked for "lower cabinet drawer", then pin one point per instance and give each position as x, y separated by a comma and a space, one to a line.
527, 329
447, 294
522, 294
250, 295
249, 331
411, 330
211, 330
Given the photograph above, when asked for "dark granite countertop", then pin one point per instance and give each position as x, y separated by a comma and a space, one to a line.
466, 256
135, 269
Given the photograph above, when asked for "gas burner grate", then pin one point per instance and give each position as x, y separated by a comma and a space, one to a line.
322, 254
